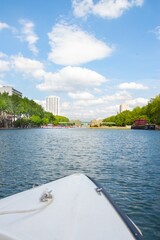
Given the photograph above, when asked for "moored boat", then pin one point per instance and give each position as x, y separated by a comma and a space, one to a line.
71, 208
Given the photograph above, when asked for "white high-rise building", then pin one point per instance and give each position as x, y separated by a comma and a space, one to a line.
123, 107
10, 91
52, 104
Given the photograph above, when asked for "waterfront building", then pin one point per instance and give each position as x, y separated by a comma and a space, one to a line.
96, 123
76, 123
53, 105
123, 107
10, 91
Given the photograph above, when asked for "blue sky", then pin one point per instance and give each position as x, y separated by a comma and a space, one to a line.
93, 54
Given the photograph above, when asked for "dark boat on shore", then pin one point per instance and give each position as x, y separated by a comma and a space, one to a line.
142, 124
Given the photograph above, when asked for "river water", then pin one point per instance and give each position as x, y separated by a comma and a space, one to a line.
125, 162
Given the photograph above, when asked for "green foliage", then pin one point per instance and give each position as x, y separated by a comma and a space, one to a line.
150, 112
153, 110
49, 116
23, 112
35, 120
5, 109
22, 123
61, 119
5, 103
45, 121
109, 124
16, 105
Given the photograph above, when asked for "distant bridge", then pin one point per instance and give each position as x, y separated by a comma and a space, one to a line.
85, 123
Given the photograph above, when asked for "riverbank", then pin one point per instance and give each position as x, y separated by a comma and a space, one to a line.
19, 128
112, 128
55, 127
101, 128
157, 127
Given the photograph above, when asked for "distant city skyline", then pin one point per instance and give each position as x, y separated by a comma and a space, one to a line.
94, 55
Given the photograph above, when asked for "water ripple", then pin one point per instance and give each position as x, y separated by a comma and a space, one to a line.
126, 163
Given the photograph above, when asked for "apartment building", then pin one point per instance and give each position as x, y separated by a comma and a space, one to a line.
10, 91
53, 104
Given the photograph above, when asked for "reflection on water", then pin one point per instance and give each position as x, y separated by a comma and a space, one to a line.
126, 163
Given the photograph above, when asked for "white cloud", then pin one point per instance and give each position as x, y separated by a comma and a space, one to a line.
81, 95
28, 35
87, 110
41, 102
67, 79
97, 90
70, 45
2, 83
71, 78
28, 66
4, 26
3, 55
84, 105
98, 107
138, 102
4, 66
82, 8
156, 31
103, 100
122, 95
132, 85
103, 8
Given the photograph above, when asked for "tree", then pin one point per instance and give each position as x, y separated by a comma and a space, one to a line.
35, 120
150, 112
16, 106
153, 110
25, 112
45, 121
110, 119
60, 119
49, 116
5, 109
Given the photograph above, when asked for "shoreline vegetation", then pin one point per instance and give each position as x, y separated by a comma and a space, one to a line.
22, 113
17, 112
150, 114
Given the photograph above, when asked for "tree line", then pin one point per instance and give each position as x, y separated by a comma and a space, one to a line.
150, 112
22, 112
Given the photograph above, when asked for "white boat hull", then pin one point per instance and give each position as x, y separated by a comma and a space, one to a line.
79, 210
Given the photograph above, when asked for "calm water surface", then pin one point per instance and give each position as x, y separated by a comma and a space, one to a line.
126, 163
